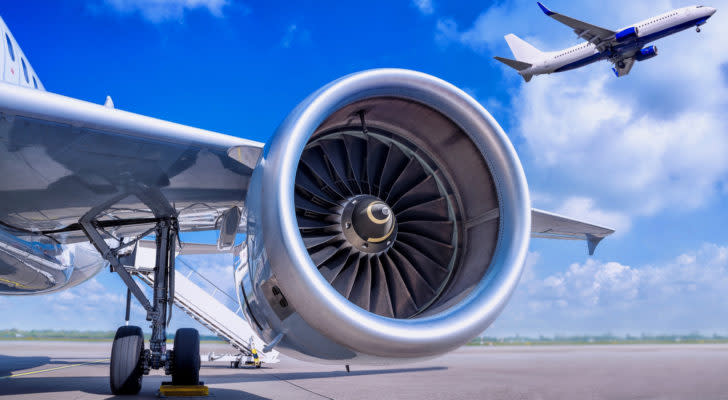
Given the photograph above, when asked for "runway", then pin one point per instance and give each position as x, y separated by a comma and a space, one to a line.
79, 370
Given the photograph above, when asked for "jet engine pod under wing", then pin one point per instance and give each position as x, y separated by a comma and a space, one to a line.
388, 219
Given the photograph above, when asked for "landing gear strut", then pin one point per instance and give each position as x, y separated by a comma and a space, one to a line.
129, 359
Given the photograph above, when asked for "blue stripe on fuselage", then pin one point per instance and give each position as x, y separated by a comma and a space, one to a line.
582, 62
669, 31
641, 42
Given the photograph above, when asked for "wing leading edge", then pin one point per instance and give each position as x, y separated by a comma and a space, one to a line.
591, 33
553, 226
61, 157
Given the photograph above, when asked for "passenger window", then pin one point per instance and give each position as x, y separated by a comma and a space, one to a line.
25, 71
10, 47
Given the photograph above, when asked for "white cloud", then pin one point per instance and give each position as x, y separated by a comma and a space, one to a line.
485, 33
166, 10
684, 294
645, 143
295, 35
288, 37
91, 299
424, 6
583, 208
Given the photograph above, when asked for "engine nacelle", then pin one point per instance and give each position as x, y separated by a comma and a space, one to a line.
388, 219
646, 53
627, 34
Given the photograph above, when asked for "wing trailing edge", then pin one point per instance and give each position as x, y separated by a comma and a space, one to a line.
548, 225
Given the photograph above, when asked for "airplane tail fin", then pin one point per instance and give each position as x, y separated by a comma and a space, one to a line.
18, 70
518, 66
522, 50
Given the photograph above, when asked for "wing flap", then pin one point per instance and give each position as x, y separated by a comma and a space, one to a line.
553, 226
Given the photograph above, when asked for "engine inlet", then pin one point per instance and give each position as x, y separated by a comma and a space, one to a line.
377, 220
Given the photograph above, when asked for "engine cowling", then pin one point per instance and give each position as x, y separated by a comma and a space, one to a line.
627, 34
388, 219
646, 53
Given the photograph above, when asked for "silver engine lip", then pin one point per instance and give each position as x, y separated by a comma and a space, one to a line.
317, 302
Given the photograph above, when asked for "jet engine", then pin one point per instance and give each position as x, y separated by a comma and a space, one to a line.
388, 219
627, 34
646, 53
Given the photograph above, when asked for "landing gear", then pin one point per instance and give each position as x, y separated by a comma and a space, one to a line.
697, 29
129, 360
621, 64
186, 357
126, 361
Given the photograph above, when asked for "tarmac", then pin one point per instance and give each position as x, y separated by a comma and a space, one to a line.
79, 370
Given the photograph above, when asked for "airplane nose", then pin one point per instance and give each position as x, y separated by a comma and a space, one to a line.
711, 11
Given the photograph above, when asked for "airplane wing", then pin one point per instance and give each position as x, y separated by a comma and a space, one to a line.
591, 33
553, 226
624, 70
63, 158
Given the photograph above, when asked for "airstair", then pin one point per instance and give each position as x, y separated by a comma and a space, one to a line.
205, 302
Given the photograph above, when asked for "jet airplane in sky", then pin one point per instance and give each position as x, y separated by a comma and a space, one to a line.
621, 47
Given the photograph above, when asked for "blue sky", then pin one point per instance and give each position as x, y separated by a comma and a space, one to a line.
643, 153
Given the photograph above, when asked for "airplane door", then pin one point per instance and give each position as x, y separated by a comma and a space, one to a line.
12, 60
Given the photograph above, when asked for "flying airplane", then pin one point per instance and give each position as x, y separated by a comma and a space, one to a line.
386, 220
621, 47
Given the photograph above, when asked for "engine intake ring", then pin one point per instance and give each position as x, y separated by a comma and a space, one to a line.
493, 209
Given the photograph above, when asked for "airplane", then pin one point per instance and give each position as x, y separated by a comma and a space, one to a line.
621, 47
386, 220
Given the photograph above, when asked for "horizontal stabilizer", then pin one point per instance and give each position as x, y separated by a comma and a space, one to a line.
517, 65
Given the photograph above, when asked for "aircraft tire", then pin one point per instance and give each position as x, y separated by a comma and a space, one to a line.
125, 375
186, 359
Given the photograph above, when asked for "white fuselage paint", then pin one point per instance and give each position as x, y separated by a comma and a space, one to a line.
648, 30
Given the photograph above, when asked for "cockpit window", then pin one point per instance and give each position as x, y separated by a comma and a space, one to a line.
699, 6
25, 71
10, 47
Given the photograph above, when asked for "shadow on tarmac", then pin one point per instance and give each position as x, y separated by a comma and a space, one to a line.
12, 364
99, 385
271, 375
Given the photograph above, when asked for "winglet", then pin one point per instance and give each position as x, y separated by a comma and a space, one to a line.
544, 9
592, 242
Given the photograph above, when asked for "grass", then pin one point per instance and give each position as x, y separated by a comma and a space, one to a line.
693, 338
79, 336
